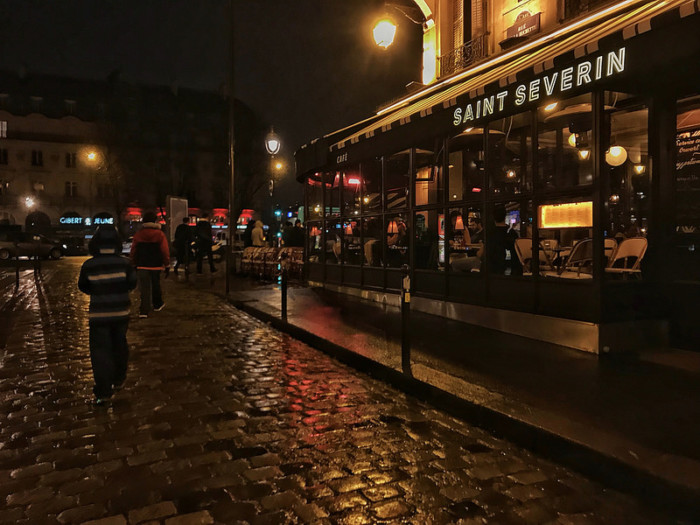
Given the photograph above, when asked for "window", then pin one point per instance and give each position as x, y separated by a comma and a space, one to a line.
104, 190
3, 156
371, 185
371, 236
396, 236
334, 241
565, 144
464, 235
428, 185
313, 241
428, 246
314, 191
70, 106
466, 166
565, 239
3, 129
4, 185
71, 189
331, 188
396, 179
70, 160
510, 155
352, 190
37, 158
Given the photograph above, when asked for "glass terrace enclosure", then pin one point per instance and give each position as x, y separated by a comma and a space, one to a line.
561, 211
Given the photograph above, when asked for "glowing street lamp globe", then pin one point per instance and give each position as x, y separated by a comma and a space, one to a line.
384, 32
272, 143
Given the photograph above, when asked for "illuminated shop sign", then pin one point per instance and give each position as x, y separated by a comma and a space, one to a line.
85, 221
557, 83
567, 215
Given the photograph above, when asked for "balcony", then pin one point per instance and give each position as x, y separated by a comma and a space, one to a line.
463, 56
574, 8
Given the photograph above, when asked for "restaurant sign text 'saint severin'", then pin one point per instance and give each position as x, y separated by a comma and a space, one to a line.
558, 82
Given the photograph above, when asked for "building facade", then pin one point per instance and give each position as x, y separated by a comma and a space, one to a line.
543, 182
75, 154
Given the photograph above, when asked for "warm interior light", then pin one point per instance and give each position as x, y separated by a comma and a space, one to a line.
616, 155
584, 153
551, 107
92, 155
354, 180
510, 174
365, 200
278, 166
29, 202
572, 140
459, 224
384, 32
348, 229
567, 215
476, 190
639, 169
393, 227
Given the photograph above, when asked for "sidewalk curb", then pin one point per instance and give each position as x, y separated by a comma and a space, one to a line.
656, 490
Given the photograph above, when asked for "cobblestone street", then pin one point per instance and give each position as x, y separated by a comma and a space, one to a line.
225, 420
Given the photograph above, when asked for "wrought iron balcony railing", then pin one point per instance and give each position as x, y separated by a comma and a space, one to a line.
463, 56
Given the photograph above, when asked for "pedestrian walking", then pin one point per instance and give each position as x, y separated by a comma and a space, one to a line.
258, 235
150, 254
107, 278
183, 239
204, 242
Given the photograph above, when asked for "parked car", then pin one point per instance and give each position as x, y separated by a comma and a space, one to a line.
24, 244
74, 245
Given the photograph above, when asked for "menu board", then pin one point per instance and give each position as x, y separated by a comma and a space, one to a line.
567, 215
688, 181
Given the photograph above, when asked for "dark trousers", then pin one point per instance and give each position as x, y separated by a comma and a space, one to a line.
182, 257
109, 354
149, 285
202, 251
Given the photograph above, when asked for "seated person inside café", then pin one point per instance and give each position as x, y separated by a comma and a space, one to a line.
464, 256
397, 242
476, 229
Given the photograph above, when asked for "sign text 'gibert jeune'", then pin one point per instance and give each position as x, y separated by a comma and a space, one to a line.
557, 82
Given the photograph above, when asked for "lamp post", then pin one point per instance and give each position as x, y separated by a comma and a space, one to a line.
273, 146
91, 159
231, 143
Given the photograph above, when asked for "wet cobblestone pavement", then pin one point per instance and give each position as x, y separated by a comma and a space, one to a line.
225, 420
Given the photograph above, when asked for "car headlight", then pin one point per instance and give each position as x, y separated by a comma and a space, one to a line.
64, 246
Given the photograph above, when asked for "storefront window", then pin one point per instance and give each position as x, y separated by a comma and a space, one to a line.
466, 166
687, 190
566, 239
428, 245
352, 190
372, 241
371, 171
510, 155
314, 191
396, 180
429, 179
397, 236
565, 143
331, 185
628, 164
464, 234
334, 242
352, 247
509, 221
313, 241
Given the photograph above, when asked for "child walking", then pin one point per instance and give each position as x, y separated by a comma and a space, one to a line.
107, 278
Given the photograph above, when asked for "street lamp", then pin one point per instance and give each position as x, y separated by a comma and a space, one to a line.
384, 32
272, 143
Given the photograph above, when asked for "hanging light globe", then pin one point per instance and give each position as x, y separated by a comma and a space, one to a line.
616, 156
384, 32
272, 143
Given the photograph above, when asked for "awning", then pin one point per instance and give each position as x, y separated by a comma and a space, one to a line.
578, 39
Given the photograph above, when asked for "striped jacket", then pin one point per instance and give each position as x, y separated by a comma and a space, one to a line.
107, 278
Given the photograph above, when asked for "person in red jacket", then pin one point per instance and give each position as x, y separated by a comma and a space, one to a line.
150, 254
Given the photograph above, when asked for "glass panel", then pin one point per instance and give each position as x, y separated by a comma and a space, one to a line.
687, 191
465, 234
313, 241
331, 185
334, 242
429, 248
508, 221
396, 241
314, 191
628, 164
466, 167
566, 246
352, 187
565, 143
372, 185
371, 238
352, 247
429, 167
396, 180
510, 155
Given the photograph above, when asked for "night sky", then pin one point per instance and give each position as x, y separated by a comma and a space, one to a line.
307, 67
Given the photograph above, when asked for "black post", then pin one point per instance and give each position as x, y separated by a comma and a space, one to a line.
37, 261
284, 260
16, 265
405, 320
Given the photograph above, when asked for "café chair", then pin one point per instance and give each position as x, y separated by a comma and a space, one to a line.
628, 257
523, 249
578, 263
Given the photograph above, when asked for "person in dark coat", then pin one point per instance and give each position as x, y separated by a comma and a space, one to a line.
150, 254
204, 241
107, 278
183, 238
500, 242
248, 234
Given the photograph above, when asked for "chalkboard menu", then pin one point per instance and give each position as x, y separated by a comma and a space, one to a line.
688, 181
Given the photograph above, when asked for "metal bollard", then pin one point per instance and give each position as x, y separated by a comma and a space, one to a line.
37, 258
16, 265
405, 320
284, 258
